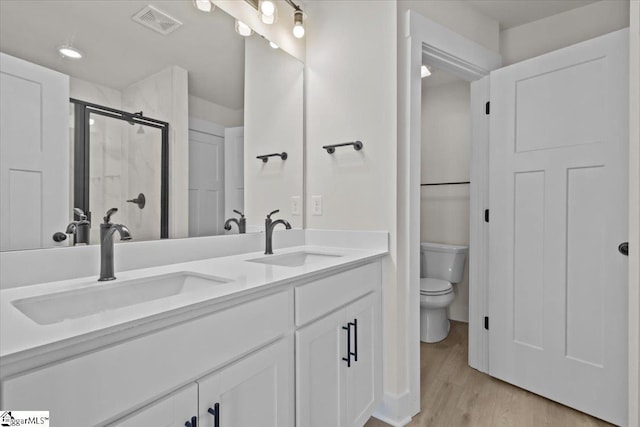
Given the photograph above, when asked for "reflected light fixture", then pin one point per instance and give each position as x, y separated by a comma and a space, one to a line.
273, 45
243, 29
298, 18
298, 27
424, 71
203, 5
267, 11
68, 51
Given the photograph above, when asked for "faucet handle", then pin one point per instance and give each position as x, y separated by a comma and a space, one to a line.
239, 213
80, 213
276, 211
107, 219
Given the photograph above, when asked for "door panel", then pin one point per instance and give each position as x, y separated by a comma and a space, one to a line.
206, 184
256, 391
364, 375
558, 199
34, 154
174, 410
320, 380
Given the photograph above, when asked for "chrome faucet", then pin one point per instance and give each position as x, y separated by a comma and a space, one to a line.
241, 223
269, 225
79, 229
107, 230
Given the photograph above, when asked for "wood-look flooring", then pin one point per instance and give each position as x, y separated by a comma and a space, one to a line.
455, 395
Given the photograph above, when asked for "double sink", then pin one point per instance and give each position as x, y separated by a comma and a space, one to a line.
56, 307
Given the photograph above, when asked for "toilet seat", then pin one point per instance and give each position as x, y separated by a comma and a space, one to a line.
430, 286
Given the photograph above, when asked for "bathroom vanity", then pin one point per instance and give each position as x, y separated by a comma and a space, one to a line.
245, 340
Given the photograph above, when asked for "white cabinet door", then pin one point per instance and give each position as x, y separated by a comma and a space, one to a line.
364, 376
255, 391
320, 379
558, 198
174, 410
34, 154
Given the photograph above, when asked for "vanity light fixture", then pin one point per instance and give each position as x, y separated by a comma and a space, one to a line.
298, 18
268, 11
68, 51
203, 5
243, 29
425, 71
273, 45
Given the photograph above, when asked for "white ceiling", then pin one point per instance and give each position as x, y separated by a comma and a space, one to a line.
439, 77
119, 52
511, 13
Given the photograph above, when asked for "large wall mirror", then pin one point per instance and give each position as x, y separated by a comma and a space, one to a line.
162, 118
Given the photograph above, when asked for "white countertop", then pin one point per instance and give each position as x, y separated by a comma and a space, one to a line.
22, 337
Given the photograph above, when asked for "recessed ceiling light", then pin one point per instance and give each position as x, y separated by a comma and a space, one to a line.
424, 71
243, 29
273, 45
70, 52
203, 5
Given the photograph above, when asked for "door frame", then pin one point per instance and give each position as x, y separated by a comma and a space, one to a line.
432, 42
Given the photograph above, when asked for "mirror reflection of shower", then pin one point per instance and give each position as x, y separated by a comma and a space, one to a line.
117, 155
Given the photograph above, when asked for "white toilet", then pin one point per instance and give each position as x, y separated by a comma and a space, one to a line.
440, 266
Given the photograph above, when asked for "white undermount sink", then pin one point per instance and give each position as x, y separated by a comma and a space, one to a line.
56, 307
295, 259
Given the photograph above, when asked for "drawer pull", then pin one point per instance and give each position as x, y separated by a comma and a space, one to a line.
192, 423
215, 411
355, 338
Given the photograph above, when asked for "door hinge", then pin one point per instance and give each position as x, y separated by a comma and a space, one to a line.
486, 322
487, 108
486, 215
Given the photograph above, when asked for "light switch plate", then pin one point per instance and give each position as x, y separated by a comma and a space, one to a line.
316, 205
295, 205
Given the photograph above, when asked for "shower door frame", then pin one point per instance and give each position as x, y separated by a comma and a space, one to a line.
81, 150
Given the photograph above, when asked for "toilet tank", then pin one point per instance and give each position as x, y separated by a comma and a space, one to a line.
440, 261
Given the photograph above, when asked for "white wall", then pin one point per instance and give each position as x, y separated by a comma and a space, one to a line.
272, 74
164, 96
563, 29
214, 113
457, 16
446, 148
634, 216
351, 93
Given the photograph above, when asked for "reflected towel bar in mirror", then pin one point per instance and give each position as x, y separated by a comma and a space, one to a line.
447, 183
265, 157
357, 145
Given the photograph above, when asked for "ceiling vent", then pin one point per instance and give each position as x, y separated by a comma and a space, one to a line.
253, 3
157, 20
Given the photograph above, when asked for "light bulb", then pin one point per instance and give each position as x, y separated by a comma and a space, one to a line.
424, 71
70, 52
298, 28
268, 19
243, 29
267, 7
203, 5
298, 31
273, 45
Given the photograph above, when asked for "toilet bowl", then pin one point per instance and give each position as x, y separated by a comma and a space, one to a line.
441, 265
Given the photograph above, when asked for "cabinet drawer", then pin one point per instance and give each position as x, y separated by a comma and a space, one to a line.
98, 386
315, 299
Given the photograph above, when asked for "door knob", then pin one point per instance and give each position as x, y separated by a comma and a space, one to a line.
140, 201
623, 248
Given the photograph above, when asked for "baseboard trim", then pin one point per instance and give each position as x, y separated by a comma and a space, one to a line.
394, 409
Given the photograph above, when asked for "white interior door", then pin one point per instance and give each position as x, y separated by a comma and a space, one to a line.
206, 184
233, 171
34, 154
558, 200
